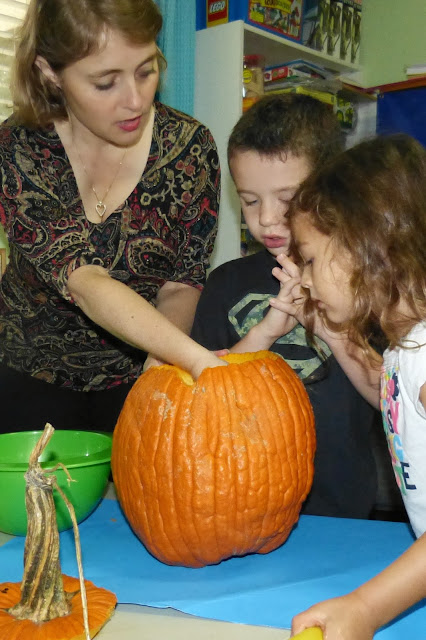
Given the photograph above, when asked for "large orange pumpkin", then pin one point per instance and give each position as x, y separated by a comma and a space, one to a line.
216, 468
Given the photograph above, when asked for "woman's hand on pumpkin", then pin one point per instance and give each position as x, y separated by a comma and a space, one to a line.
344, 618
209, 360
152, 361
221, 352
195, 371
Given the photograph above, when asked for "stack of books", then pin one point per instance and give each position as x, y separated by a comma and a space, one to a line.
293, 73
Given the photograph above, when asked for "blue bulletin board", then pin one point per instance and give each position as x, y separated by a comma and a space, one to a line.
403, 112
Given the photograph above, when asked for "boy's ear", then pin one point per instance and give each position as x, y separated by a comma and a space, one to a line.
47, 70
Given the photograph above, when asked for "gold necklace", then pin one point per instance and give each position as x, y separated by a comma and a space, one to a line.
100, 206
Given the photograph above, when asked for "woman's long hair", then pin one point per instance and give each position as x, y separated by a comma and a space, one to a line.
63, 32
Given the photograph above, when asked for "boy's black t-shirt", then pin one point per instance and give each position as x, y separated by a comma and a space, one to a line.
234, 299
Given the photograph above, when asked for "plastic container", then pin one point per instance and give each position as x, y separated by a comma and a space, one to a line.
86, 455
253, 69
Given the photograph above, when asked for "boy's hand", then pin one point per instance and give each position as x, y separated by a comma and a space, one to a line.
281, 317
290, 298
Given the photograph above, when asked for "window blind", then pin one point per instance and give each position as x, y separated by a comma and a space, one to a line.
12, 13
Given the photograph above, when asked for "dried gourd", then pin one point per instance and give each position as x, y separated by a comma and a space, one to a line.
48, 605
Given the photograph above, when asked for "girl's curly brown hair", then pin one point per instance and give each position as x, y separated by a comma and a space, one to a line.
371, 200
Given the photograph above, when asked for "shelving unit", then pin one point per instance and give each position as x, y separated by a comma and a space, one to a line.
277, 49
218, 101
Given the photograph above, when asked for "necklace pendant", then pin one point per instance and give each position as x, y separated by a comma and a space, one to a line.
100, 208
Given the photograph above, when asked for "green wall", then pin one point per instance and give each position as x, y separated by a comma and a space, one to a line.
393, 36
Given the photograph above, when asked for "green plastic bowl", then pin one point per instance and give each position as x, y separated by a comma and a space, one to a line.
86, 455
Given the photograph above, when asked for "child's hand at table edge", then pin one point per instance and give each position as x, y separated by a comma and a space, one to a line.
343, 618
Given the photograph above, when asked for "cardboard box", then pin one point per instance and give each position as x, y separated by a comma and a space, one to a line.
334, 28
281, 17
315, 24
356, 31
294, 69
346, 31
344, 109
217, 12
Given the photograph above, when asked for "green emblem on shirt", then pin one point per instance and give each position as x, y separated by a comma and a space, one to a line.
251, 309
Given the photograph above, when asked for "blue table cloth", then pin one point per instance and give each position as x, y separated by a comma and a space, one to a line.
322, 558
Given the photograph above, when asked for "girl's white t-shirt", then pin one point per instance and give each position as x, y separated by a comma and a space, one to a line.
404, 420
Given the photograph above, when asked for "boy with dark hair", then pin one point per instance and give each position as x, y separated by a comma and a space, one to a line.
273, 147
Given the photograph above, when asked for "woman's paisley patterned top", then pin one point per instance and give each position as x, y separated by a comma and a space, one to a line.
164, 231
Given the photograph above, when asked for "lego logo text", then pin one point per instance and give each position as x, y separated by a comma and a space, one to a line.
215, 7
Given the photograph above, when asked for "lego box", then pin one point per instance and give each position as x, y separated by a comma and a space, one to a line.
281, 17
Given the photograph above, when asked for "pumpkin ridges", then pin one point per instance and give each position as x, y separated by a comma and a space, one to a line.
148, 447
218, 519
277, 466
161, 516
162, 511
303, 480
214, 443
198, 448
180, 475
292, 475
283, 443
270, 407
242, 511
275, 500
223, 498
250, 426
308, 435
195, 462
228, 444
245, 440
309, 442
158, 517
126, 477
236, 430
148, 444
